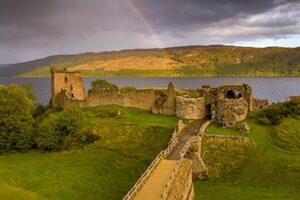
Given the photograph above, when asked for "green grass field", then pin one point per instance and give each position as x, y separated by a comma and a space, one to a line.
269, 173
104, 170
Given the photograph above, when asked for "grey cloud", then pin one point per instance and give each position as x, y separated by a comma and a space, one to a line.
35, 28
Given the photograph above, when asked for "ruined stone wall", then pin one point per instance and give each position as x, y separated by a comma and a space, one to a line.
230, 111
64, 100
103, 97
260, 103
227, 137
143, 99
190, 108
182, 187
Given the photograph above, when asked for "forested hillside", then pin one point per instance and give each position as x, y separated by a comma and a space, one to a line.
177, 61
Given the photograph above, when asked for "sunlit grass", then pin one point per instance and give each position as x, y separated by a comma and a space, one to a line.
104, 170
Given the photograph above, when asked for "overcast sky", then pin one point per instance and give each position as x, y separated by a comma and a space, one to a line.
31, 29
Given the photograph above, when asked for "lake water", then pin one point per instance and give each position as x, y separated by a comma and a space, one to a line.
274, 89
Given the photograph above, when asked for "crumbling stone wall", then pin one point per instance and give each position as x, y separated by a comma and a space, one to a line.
190, 108
230, 111
260, 103
67, 90
200, 170
182, 187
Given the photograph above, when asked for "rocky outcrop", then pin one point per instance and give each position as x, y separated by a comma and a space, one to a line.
230, 111
244, 128
190, 108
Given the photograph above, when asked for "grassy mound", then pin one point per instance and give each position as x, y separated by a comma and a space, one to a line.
287, 134
224, 156
11, 192
269, 173
107, 169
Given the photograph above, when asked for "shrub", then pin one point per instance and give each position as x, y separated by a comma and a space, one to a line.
39, 110
194, 94
127, 89
102, 84
47, 138
64, 131
274, 114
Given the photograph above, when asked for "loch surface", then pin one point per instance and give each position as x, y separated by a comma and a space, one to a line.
274, 89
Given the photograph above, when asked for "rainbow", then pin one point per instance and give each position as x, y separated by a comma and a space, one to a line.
149, 26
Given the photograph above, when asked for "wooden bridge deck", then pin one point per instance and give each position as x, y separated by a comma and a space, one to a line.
155, 184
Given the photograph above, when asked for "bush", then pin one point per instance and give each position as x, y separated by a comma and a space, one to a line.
274, 114
15, 118
64, 131
39, 110
127, 89
47, 138
100, 84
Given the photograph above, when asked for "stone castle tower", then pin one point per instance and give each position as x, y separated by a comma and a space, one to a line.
69, 82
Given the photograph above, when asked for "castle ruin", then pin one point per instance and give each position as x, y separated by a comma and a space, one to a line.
227, 104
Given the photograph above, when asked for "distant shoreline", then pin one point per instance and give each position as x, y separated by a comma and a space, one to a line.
43, 76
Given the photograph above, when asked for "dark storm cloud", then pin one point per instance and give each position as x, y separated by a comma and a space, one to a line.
188, 13
35, 28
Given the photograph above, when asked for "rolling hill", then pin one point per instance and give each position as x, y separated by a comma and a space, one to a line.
215, 60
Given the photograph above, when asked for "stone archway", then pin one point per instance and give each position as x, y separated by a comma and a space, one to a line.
211, 110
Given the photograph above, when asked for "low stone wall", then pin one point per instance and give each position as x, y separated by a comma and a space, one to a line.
181, 187
227, 137
260, 103
190, 108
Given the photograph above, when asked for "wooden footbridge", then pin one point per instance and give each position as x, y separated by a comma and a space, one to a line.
159, 180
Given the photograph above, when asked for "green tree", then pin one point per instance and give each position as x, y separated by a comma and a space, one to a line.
102, 84
15, 118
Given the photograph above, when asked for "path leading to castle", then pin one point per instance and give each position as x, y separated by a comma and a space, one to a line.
189, 131
155, 184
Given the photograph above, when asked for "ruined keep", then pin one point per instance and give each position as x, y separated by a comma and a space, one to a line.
227, 104
63, 81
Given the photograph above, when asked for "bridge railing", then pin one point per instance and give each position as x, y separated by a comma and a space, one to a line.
187, 145
170, 148
137, 186
197, 138
163, 154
